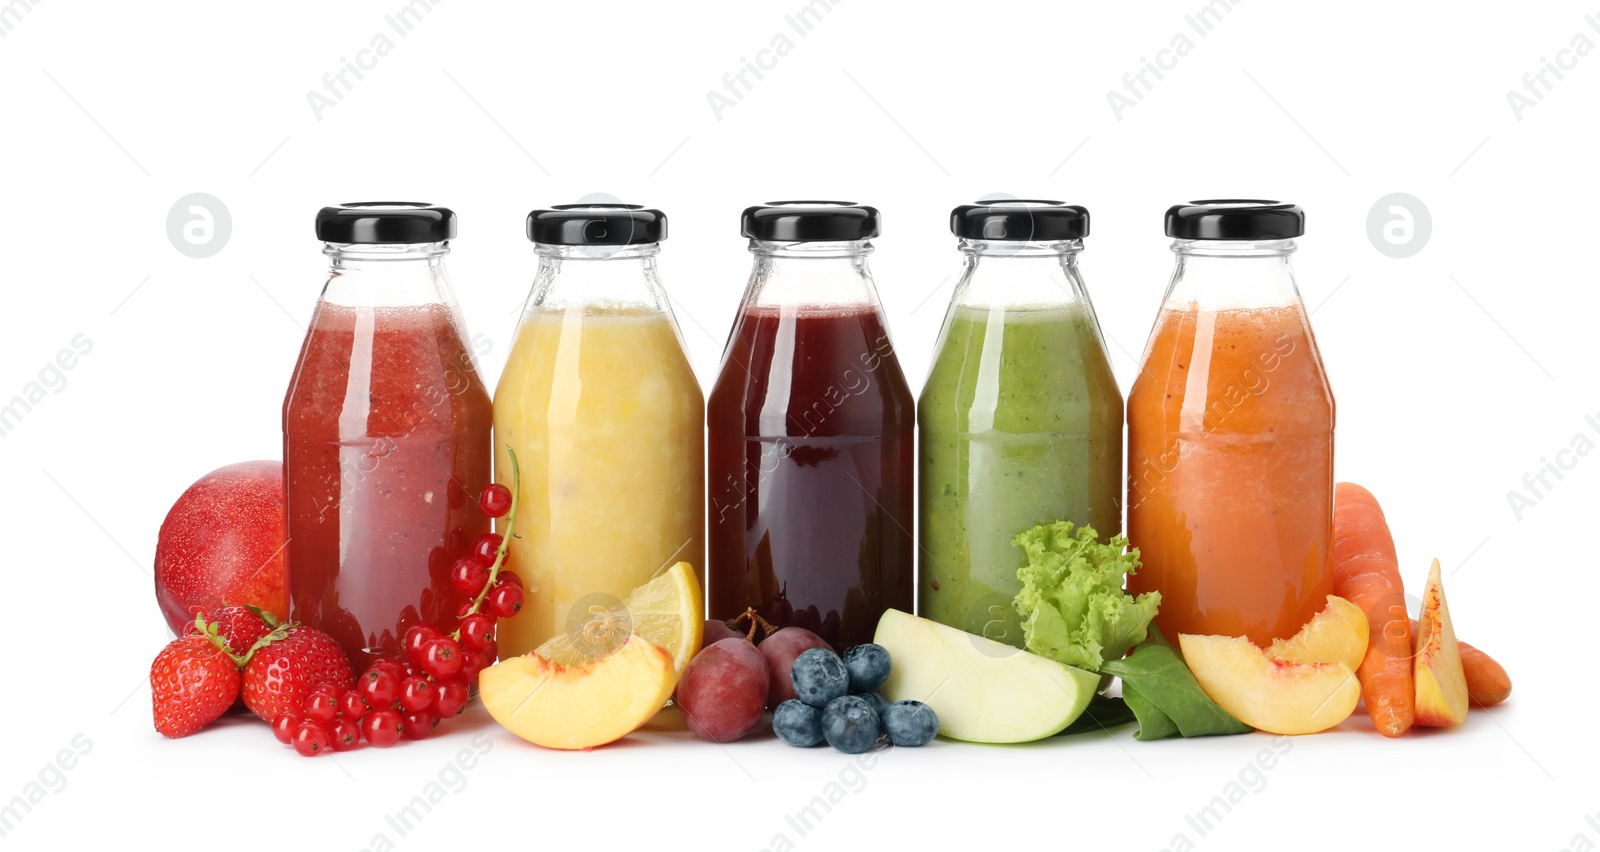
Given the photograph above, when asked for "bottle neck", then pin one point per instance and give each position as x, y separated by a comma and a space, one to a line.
387, 275
812, 274
1227, 274
607, 278
1020, 274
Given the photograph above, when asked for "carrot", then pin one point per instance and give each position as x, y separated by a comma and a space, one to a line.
1367, 573
1487, 681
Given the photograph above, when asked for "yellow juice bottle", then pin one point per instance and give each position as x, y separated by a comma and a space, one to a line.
606, 417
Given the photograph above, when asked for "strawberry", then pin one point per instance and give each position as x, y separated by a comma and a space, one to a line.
241, 626
192, 682
287, 664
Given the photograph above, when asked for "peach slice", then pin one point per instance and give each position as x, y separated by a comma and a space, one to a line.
1441, 682
1337, 634
583, 705
1276, 696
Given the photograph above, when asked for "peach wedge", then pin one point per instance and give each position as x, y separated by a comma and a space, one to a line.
583, 705
1276, 696
1441, 683
1337, 634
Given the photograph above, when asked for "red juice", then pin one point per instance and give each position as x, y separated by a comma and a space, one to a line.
811, 456
386, 446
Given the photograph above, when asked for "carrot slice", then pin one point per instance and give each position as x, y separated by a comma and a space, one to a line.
1367, 573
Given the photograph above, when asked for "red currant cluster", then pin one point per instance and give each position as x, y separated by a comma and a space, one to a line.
406, 698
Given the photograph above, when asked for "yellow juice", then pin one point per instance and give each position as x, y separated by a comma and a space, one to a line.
607, 421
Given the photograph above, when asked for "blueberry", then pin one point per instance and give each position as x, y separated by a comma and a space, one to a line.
850, 724
868, 665
910, 723
879, 704
819, 676
797, 723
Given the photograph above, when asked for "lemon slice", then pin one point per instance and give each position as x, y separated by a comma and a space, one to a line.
664, 612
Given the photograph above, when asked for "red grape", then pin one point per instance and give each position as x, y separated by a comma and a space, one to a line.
716, 630
723, 690
780, 650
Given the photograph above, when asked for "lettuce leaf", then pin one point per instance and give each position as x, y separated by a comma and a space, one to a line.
1073, 608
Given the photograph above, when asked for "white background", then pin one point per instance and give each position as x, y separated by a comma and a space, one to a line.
1457, 371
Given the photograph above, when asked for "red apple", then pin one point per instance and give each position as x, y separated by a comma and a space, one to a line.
222, 544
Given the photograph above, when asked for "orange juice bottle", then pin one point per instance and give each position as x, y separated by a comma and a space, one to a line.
1230, 433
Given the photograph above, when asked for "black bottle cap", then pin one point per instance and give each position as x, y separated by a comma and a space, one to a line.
809, 221
1235, 219
1020, 220
374, 222
597, 225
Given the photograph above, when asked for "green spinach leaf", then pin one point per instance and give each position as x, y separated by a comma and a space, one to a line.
1158, 678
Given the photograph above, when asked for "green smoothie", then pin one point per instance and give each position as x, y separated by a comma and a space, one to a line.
1020, 425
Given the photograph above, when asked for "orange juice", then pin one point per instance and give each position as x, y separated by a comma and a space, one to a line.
1230, 471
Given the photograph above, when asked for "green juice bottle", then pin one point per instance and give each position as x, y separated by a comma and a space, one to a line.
1020, 420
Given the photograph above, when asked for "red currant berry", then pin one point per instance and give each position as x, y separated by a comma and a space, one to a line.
283, 726
505, 600
469, 575
382, 727
442, 658
346, 733
416, 637
388, 664
380, 688
473, 661
418, 724
486, 547
415, 694
311, 738
495, 501
449, 698
477, 630
352, 705
323, 703
512, 578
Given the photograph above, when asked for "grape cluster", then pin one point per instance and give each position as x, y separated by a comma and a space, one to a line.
836, 702
406, 698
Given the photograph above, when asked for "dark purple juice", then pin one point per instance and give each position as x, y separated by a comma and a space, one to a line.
810, 456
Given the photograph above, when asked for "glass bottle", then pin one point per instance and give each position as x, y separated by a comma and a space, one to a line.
1021, 418
1230, 432
385, 433
607, 419
810, 434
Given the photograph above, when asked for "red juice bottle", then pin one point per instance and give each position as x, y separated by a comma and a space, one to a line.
385, 434
810, 443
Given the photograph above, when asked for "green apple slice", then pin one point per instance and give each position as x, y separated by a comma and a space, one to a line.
982, 690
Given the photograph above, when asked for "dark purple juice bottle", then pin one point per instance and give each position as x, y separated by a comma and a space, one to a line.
810, 448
